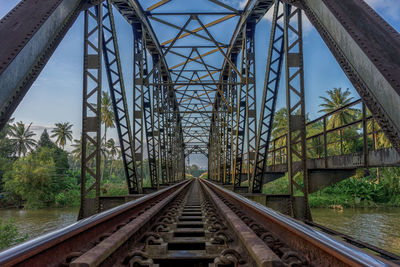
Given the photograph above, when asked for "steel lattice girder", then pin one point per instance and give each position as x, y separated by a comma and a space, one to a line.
295, 104
138, 125
270, 93
118, 97
91, 111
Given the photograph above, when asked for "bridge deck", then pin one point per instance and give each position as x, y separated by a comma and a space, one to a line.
187, 224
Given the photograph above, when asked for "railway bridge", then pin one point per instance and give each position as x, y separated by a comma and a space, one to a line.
195, 92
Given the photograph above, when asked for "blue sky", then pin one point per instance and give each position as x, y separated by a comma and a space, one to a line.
56, 95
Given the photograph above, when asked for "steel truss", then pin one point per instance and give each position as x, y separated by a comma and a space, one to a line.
139, 52
246, 110
91, 112
270, 93
295, 104
118, 96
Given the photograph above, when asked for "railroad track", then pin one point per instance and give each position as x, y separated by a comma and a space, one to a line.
193, 223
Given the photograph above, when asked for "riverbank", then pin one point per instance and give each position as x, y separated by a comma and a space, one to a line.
347, 201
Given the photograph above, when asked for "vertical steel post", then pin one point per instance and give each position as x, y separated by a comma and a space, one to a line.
163, 108
233, 121
91, 112
138, 129
240, 121
251, 112
295, 104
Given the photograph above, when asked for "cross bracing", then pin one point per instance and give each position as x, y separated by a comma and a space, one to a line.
195, 90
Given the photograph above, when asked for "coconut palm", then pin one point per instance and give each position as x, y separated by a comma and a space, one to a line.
77, 150
279, 126
107, 118
338, 99
63, 133
107, 114
113, 150
22, 138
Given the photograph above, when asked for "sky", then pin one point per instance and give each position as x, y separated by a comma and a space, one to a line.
56, 95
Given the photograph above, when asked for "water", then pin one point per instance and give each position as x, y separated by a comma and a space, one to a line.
378, 227
38, 222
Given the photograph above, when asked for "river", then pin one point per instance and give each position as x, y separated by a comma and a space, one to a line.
379, 227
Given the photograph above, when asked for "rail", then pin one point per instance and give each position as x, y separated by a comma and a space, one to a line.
193, 222
53, 248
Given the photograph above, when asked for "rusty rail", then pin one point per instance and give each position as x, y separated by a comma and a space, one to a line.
194, 222
54, 248
318, 248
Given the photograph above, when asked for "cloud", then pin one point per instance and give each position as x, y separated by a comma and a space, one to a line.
239, 4
40, 127
390, 8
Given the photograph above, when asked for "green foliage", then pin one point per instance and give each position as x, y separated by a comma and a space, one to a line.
194, 170
31, 178
21, 138
45, 141
337, 99
9, 235
114, 189
322, 200
63, 133
279, 186
42, 178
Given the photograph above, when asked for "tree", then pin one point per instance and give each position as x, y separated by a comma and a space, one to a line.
77, 149
62, 132
338, 99
107, 118
7, 152
7, 149
45, 141
107, 114
31, 178
9, 234
22, 138
113, 150
280, 125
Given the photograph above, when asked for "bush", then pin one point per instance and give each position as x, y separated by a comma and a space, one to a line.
9, 234
69, 198
111, 189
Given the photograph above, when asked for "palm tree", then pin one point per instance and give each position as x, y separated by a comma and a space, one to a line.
21, 138
107, 114
113, 150
279, 126
77, 150
338, 99
62, 132
107, 118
